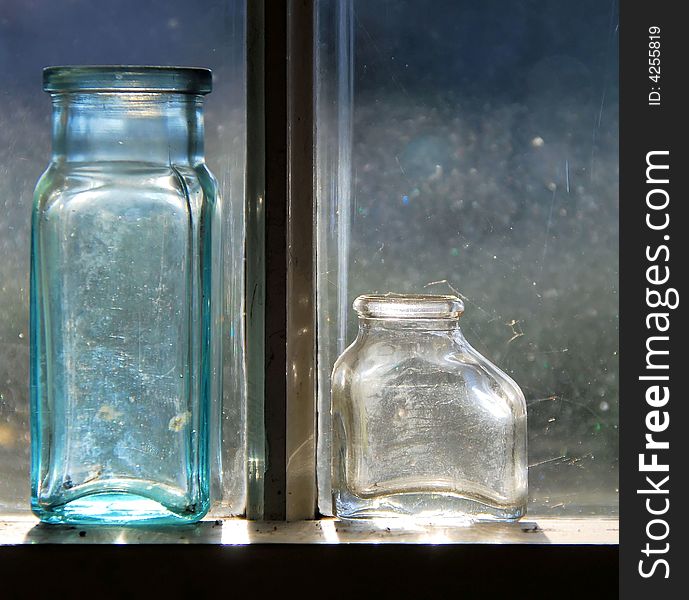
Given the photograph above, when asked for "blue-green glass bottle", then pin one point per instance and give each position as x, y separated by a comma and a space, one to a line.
124, 299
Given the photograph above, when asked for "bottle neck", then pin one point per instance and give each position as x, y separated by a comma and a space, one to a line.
367, 325
153, 127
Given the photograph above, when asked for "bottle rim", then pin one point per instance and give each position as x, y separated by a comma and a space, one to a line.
127, 78
408, 306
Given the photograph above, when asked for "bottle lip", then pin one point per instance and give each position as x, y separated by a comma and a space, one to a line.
408, 306
127, 78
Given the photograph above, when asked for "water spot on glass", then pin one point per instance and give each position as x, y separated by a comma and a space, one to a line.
8, 436
604, 406
537, 142
437, 173
108, 413
179, 421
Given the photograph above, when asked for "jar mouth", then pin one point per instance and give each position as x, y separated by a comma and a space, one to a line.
408, 306
127, 78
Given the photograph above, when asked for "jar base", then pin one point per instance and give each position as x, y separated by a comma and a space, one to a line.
423, 508
115, 509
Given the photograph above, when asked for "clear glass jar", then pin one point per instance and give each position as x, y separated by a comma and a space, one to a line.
124, 299
424, 426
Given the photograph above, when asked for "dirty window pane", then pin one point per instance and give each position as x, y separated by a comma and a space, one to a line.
478, 156
37, 33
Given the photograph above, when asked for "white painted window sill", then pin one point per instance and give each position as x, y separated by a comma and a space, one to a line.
22, 529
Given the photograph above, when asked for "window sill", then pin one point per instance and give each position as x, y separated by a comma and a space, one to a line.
19, 529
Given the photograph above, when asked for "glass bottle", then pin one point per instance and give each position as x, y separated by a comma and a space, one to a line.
124, 299
424, 426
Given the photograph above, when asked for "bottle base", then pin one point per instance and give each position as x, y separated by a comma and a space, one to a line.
116, 509
423, 508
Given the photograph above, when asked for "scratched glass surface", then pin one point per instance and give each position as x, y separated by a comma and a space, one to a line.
208, 33
473, 151
124, 295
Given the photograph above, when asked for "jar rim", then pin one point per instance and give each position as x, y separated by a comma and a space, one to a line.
127, 78
408, 306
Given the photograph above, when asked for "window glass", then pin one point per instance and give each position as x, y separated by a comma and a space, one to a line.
471, 148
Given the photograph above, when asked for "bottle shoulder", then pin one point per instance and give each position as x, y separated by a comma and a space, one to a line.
72, 183
435, 360
497, 374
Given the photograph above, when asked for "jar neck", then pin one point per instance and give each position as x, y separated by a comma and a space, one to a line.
128, 126
369, 325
